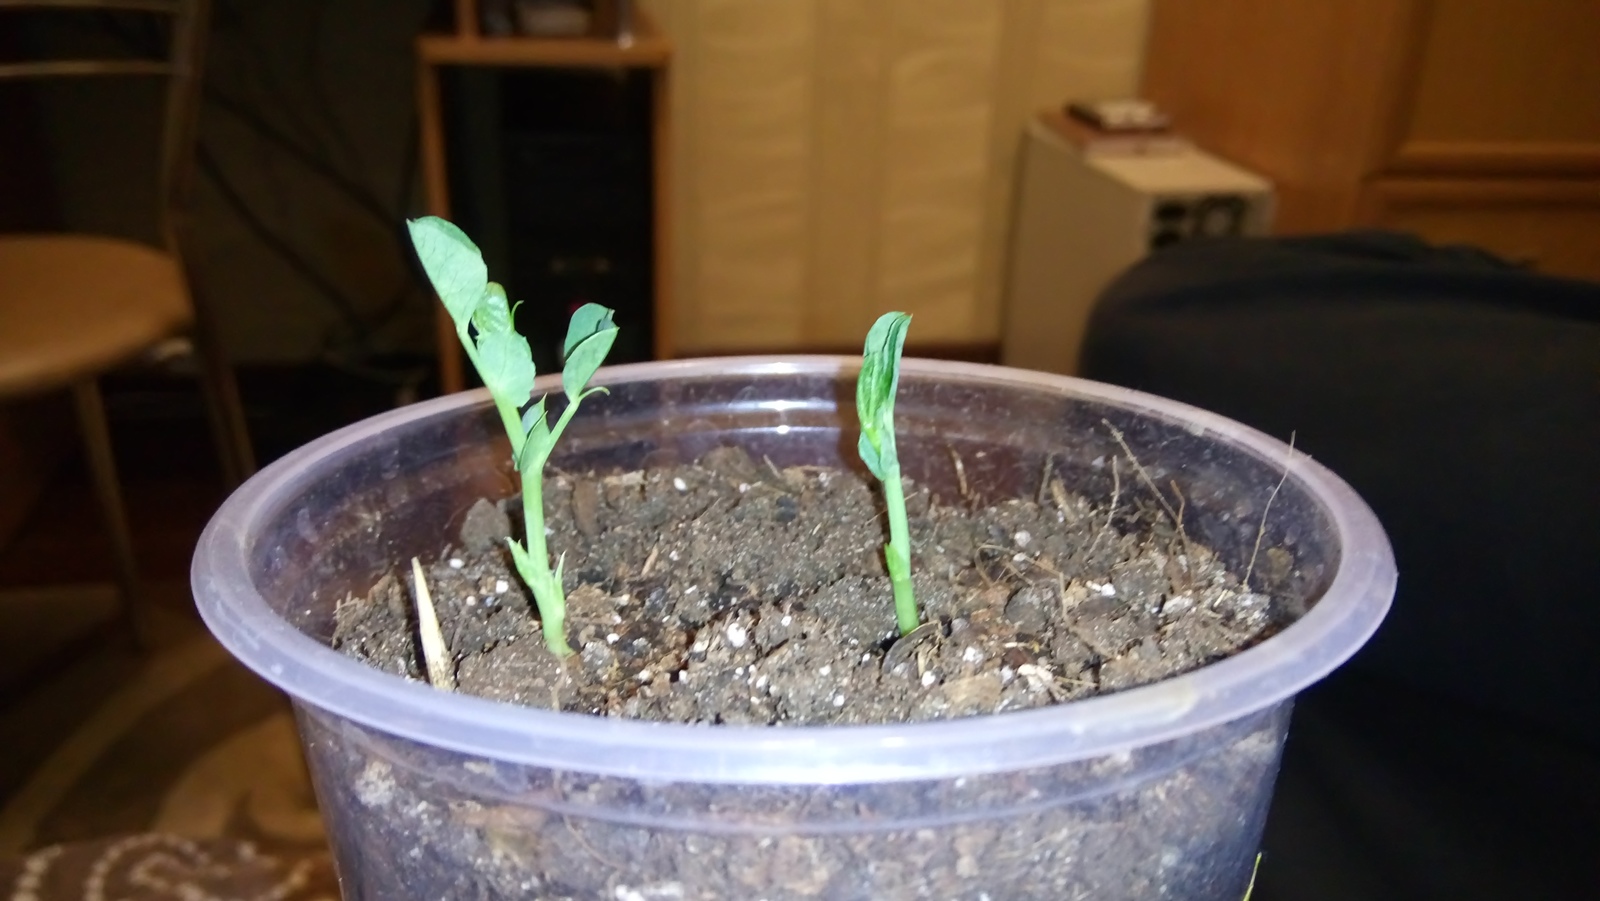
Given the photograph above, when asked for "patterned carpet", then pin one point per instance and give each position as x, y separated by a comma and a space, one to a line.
172, 774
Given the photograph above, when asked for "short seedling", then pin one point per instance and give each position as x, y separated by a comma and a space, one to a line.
483, 319
875, 390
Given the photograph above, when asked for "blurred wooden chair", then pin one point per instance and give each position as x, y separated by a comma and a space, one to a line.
73, 306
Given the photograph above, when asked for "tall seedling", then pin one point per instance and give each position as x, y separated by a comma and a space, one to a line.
483, 320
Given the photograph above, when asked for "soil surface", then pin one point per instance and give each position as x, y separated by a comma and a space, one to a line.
729, 591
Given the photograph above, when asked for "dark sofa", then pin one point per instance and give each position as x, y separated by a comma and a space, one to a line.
1458, 755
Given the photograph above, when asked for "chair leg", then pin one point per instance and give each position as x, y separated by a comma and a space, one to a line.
108, 491
230, 430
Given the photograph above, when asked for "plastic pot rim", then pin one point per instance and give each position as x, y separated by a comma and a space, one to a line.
1269, 673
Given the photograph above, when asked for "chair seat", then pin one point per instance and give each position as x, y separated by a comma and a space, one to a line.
72, 306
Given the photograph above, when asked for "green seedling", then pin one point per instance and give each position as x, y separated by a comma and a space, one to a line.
483, 320
875, 390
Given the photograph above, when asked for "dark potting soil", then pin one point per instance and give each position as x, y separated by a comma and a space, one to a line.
733, 592
729, 591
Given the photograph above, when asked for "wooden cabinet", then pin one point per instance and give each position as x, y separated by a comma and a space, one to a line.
1506, 86
1461, 120
1552, 225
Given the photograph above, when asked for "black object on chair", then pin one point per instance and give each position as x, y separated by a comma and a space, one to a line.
1458, 755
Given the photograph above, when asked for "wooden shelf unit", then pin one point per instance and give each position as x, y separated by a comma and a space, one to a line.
648, 49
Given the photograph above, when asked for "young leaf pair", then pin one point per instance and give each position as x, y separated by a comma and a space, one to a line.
483, 319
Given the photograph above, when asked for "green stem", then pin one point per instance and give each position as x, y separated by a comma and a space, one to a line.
533, 564
561, 426
897, 553
545, 583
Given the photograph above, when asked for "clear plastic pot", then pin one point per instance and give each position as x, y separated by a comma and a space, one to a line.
1158, 791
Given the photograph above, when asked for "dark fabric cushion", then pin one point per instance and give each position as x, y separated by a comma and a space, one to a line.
1461, 397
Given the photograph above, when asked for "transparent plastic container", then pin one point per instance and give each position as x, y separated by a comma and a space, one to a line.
1158, 791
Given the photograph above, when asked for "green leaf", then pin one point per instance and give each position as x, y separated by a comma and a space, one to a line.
870, 393
533, 417
506, 363
493, 314
881, 362
870, 456
589, 338
584, 360
526, 566
540, 441
876, 387
588, 320
454, 266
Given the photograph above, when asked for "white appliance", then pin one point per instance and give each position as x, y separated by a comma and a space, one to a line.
1083, 217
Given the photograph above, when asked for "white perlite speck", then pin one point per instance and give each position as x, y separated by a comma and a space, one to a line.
457, 563
1039, 677
375, 786
661, 891
680, 484
737, 635
1022, 538
501, 586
